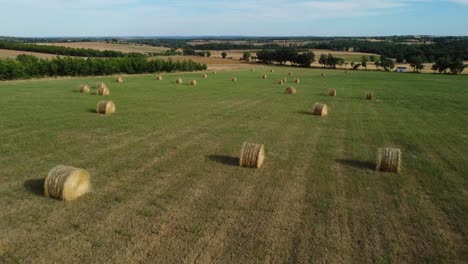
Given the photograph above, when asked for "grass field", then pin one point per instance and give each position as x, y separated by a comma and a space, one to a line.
166, 187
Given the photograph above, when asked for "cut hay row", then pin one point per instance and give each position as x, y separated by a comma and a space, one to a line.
320, 109
66, 183
105, 107
252, 155
84, 88
389, 160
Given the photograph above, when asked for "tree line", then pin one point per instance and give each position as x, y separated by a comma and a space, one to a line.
27, 66
65, 51
284, 55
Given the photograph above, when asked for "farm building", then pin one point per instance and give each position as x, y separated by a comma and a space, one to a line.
401, 69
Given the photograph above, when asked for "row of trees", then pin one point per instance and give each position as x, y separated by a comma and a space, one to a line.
27, 66
285, 55
65, 51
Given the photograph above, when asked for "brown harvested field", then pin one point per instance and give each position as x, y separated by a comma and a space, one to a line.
214, 63
111, 46
11, 54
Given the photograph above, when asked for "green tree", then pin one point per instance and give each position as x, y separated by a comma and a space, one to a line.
224, 54
364, 62
246, 56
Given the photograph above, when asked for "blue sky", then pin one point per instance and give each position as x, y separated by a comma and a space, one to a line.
40, 18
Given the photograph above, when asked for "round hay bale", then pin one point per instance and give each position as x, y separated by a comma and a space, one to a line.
214, 72
264, 76
285, 80
272, 70
289, 73
252, 155
67, 183
159, 78
105, 107
119, 80
290, 90
389, 160
179, 81
205, 75
369, 96
280, 81
100, 84
103, 91
320, 109
297, 81
84, 88
332, 92
234, 79
252, 70
193, 82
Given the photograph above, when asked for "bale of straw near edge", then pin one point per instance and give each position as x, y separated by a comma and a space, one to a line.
369, 96
84, 88
100, 84
252, 155
389, 160
290, 90
179, 81
332, 92
119, 80
320, 109
67, 183
105, 107
103, 91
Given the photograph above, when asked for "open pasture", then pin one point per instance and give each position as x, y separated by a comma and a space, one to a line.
167, 188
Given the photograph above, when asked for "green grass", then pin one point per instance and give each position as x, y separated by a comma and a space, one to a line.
166, 187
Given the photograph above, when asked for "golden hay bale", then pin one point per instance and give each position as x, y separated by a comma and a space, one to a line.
285, 80
67, 183
297, 81
193, 82
289, 73
84, 88
389, 160
105, 107
179, 81
369, 96
264, 76
290, 90
280, 81
320, 109
159, 78
272, 70
214, 72
252, 155
205, 75
119, 80
234, 79
332, 92
252, 70
103, 91
100, 84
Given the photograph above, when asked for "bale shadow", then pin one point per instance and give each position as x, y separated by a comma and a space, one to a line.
303, 112
91, 110
223, 159
357, 164
35, 186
